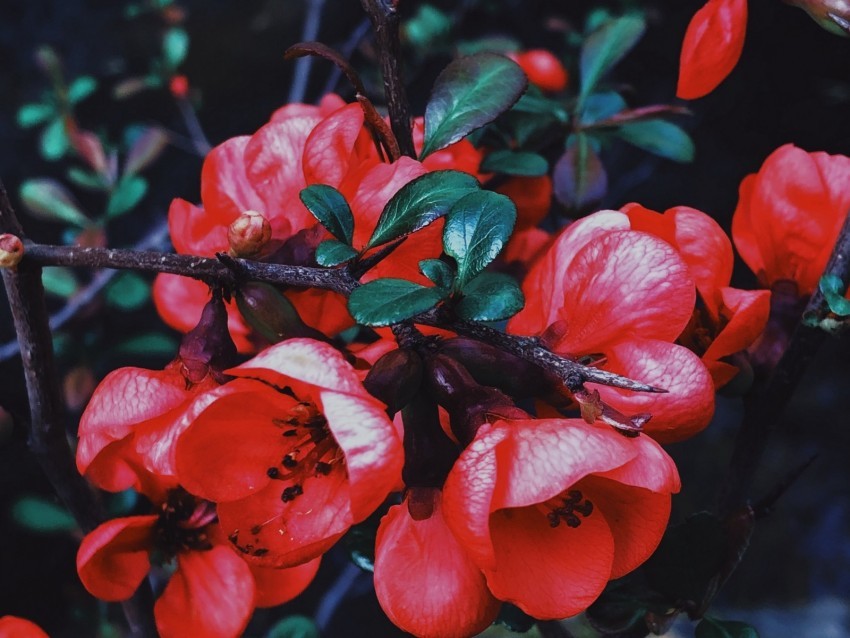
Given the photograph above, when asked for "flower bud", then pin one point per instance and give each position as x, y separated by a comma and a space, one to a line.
395, 378
11, 250
208, 348
249, 234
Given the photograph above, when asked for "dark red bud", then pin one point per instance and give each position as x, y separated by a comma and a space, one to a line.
429, 453
395, 378
11, 250
208, 348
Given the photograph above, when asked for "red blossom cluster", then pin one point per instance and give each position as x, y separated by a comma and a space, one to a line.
501, 484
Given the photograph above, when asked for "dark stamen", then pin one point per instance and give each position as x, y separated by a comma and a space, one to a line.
273, 472
290, 493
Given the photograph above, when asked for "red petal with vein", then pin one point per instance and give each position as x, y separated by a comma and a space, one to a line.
193, 231
532, 197
225, 452
14, 627
713, 44
688, 405
636, 517
651, 469
211, 594
625, 283
324, 310
293, 532
747, 312
373, 452
425, 582
113, 559
180, 302
329, 147
119, 467
277, 586
549, 572
226, 190
545, 283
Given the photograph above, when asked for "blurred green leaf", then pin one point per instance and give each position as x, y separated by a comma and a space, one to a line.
122, 503
129, 192
48, 199
427, 26
128, 291
151, 344
54, 142
145, 148
332, 253
833, 291
600, 106
294, 627
81, 88
661, 138
33, 114
38, 515
85, 179
437, 271
59, 281
387, 301
491, 297
494, 44
469, 93
175, 46
714, 628
605, 47
520, 163
328, 206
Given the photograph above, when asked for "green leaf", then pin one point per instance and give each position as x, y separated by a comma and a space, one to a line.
81, 88
332, 253
579, 178
469, 93
146, 147
536, 103
48, 199
490, 297
59, 281
437, 271
85, 179
659, 138
151, 344
386, 301
833, 291
42, 516
520, 163
477, 227
175, 46
713, 628
54, 142
126, 195
600, 106
493, 44
294, 627
605, 47
420, 202
328, 205
427, 26
30, 115
128, 291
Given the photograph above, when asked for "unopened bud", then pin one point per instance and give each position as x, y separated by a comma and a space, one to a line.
395, 378
249, 234
11, 250
208, 348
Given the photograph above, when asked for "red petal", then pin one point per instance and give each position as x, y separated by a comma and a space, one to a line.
193, 231
211, 594
747, 312
651, 468
705, 248
713, 44
113, 559
324, 310
14, 627
276, 586
743, 231
688, 405
549, 572
225, 188
328, 150
425, 582
532, 196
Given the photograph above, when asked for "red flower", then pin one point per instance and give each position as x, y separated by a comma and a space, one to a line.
294, 451
543, 69
626, 295
727, 320
789, 215
14, 627
426, 582
713, 44
552, 509
213, 591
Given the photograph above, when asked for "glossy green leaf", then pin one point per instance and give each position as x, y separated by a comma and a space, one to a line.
128, 291
30, 115
48, 199
85, 179
579, 178
175, 46
714, 628
833, 291
54, 142
59, 281
605, 47
661, 138
520, 163
328, 205
437, 271
39, 515
477, 228
420, 202
333, 252
147, 145
81, 88
470, 92
387, 301
491, 297
126, 195
294, 627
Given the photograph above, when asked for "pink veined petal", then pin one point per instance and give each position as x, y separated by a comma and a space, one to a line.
119, 467
704, 247
329, 147
688, 405
211, 594
113, 559
626, 283
193, 231
226, 190
651, 468
373, 451
549, 572
425, 582
276, 586
14, 627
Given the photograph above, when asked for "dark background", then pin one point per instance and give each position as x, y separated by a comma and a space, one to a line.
791, 85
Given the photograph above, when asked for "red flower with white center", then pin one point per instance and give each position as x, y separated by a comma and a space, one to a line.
712, 47
212, 592
627, 296
727, 320
294, 451
789, 215
552, 509
14, 627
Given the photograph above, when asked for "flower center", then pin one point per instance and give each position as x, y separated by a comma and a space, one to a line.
568, 508
182, 524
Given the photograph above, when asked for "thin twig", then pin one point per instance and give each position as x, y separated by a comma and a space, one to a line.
312, 20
